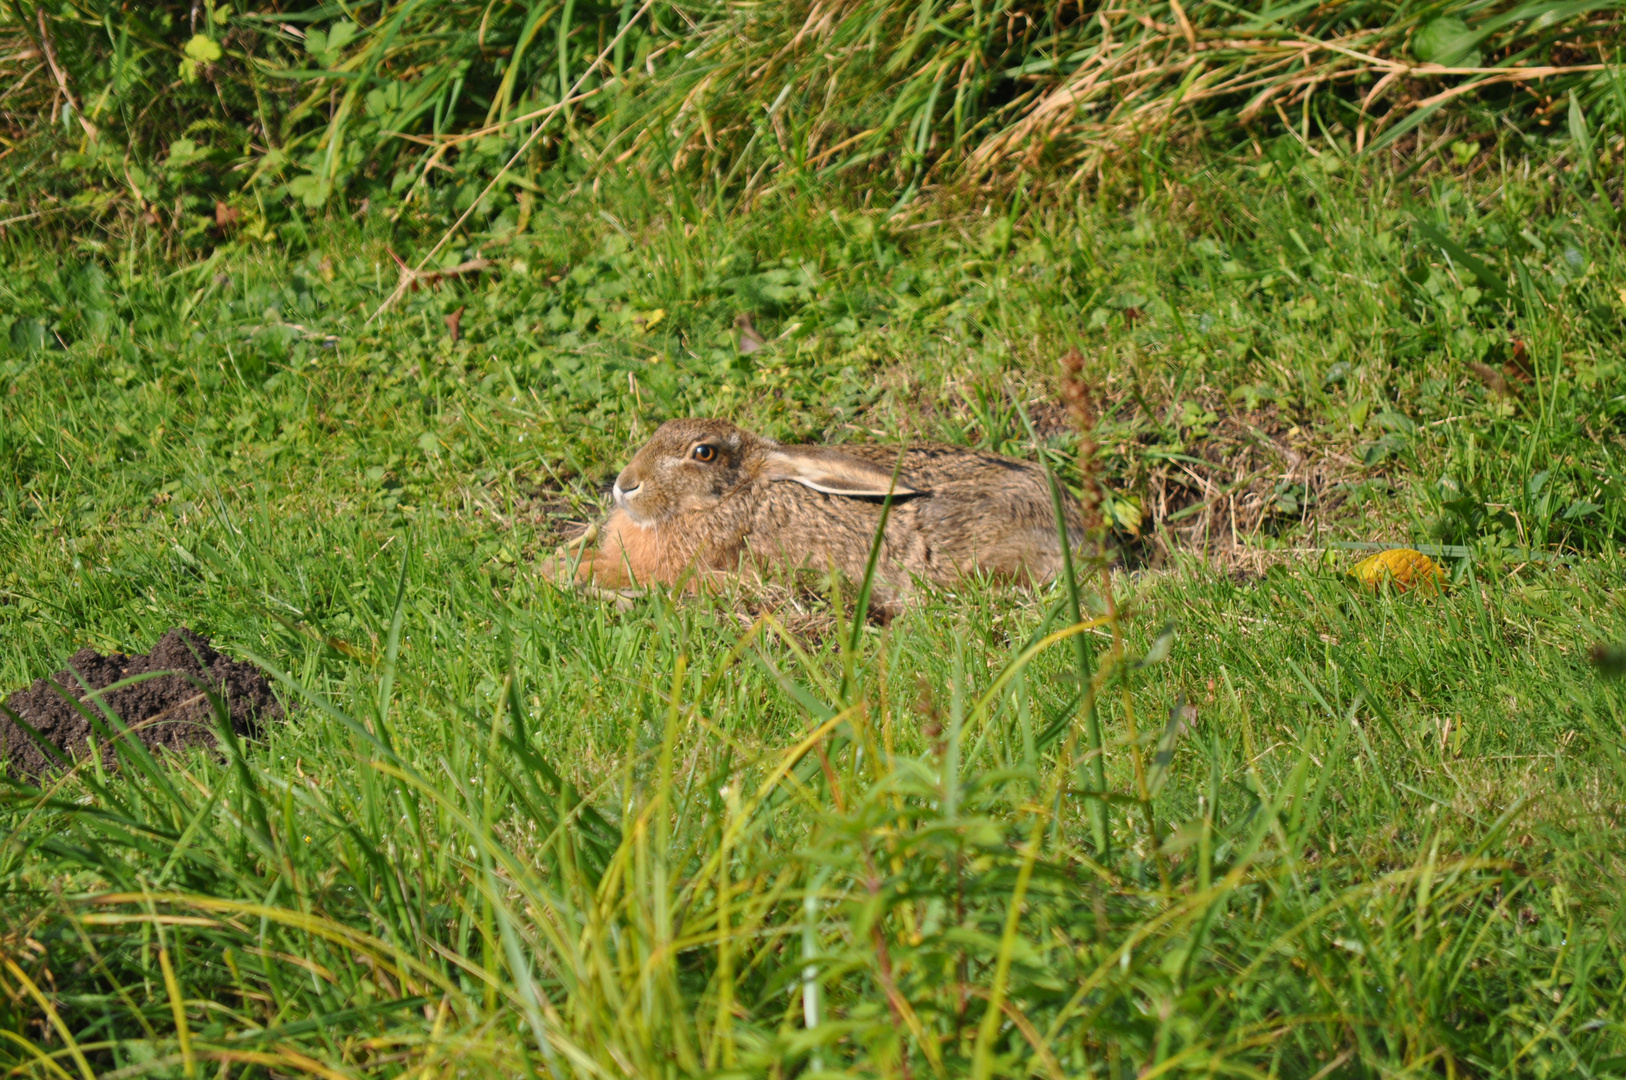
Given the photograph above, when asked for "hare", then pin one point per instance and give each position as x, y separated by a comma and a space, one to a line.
704, 497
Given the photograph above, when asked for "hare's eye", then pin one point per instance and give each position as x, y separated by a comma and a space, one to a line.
705, 452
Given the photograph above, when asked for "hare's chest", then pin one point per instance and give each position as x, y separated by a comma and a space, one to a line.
640, 552
666, 552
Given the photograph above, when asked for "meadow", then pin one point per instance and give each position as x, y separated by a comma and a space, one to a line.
1211, 807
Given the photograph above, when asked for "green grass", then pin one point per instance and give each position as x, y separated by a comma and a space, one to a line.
159, 112
511, 831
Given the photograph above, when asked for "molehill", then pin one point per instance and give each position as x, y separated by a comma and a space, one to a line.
166, 712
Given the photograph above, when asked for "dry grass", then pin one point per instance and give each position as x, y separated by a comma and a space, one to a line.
745, 101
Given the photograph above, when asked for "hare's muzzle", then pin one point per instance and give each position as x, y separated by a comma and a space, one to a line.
622, 495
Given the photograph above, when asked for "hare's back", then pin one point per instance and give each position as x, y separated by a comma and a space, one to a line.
980, 511
932, 465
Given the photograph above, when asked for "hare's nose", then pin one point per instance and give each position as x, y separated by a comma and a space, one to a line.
621, 494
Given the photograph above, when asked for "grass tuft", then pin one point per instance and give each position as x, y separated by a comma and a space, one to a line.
224, 118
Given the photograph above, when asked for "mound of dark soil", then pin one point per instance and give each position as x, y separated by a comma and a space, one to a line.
169, 712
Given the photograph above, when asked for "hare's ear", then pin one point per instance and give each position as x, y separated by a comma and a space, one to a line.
835, 474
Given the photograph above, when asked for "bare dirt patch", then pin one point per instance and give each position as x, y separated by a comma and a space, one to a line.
171, 711
1248, 474
1210, 478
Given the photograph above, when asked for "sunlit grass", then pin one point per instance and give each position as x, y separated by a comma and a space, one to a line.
415, 107
511, 831
1375, 825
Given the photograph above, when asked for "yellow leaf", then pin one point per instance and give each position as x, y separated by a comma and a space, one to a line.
648, 320
203, 49
1403, 568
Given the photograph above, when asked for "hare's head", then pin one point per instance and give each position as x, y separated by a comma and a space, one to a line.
691, 464
688, 465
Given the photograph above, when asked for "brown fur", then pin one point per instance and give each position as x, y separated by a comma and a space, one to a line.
757, 505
